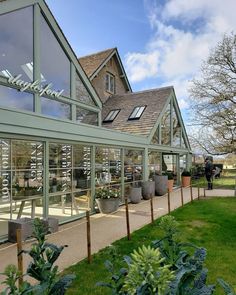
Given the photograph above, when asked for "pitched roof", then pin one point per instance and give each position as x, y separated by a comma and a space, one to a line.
154, 100
91, 63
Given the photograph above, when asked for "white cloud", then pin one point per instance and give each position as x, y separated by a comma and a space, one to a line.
184, 31
141, 66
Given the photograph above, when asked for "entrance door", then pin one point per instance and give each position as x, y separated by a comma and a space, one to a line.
170, 164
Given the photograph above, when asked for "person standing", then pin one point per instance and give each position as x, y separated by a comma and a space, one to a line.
208, 172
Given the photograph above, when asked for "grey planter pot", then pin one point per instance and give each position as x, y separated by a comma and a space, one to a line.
161, 184
135, 195
51, 224
148, 189
26, 226
108, 205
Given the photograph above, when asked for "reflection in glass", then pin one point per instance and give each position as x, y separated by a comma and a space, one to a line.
176, 130
156, 136
55, 66
86, 116
133, 165
108, 166
16, 44
82, 93
154, 160
165, 127
12, 98
55, 108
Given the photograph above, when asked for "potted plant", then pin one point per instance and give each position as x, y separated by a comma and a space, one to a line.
186, 178
107, 199
170, 181
135, 193
161, 184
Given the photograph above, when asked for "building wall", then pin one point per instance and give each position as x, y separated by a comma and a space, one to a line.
99, 81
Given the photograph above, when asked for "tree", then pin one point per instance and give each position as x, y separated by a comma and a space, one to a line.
214, 99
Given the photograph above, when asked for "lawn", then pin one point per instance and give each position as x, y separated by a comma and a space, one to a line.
209, 223
226, 181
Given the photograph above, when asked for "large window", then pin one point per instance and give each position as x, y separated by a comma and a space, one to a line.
16, 43
55, 66
55, 108
82, 93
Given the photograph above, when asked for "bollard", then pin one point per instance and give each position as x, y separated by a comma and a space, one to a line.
88, 237
168, 195
127, 218
19, 255
151, 203
182, 196
191, 192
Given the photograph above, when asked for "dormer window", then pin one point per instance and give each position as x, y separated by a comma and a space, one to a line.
110, 83
137, 113
111, 116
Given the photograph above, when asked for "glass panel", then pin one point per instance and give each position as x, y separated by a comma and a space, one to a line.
16, 44
169, 164
176, 130
5, 171
154, 160
156, 136
55, 108
86, 116
55, 66
82, 93
12, 98
108, 166
133, 165
183, 144
165, 127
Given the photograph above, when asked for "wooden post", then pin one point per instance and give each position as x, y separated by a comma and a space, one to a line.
168, 195
151, 203
19, 255
127, 218
88, 237
182, 196
191, 192
198, 192
204, 192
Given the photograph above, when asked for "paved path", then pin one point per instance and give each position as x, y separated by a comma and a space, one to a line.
105, 229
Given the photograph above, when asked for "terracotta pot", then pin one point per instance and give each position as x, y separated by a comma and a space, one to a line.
170, 184
186, 180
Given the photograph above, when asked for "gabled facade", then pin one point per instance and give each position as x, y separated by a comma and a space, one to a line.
106, 73
55, 147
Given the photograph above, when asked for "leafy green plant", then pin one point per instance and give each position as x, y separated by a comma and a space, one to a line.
42, 268
147, 272
169, 175
186, 173
107, 193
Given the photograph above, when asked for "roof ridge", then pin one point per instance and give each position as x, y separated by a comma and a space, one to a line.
143, 91
99, 52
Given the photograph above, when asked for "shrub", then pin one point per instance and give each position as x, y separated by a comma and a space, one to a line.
186, 173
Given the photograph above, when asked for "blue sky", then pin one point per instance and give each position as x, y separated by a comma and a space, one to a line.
160, 42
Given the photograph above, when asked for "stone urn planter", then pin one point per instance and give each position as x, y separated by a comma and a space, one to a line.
108, 205
148, 189
161, 184
135, 195
107, 199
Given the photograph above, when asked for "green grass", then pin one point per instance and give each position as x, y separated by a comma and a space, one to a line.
226, 181
208, 223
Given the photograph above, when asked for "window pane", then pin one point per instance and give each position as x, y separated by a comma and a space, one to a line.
82, 93
16, 43
165, 127
55, 66
12, 98
55, 108
176, 130
86, 116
